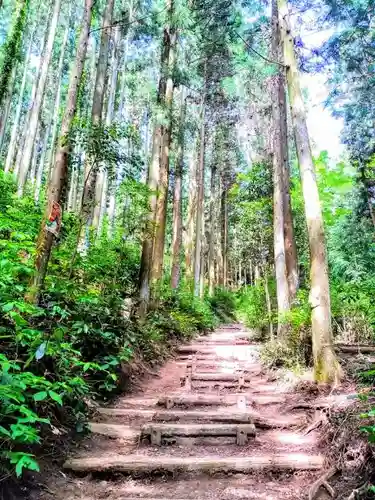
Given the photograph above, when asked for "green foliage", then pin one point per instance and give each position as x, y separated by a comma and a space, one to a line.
76, 343
252, 307
12, 47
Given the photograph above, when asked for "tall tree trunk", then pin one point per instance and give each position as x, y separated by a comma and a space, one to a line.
145, 274
56, 111
40, 168
93, 189
268, 301
282, 289
200, 206
104, 185
327, 368
289, 236
191, 212
12, 47
13, 135
177, 199
212, 232
24, 128
224, 232
60, 171
4, 114
32, 125
170, 38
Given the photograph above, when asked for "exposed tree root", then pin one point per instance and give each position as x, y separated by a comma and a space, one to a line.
322, 481
357, 493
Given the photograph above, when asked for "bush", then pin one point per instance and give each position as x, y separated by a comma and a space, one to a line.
252, 308
78, 343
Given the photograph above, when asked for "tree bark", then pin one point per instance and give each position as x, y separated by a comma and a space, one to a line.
60, 171
42, 160
191, 212
326, 366
224, 234
32, 125
289, 236
200, 206
22, 139
13, 136
56, 112
145, 274
6, 107
212, 231
93, 186
177, 199
170, 39
282, 289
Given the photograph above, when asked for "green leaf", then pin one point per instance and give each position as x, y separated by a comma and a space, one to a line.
27, 462
56, 397
8, 307
40, 396
4, 431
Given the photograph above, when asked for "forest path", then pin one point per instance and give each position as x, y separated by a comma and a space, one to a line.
210, 426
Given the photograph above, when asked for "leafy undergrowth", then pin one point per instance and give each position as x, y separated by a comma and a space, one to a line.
79, 342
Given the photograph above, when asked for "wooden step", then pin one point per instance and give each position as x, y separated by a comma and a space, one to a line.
117, 431
220, 350
224, 415
191, 430
139, 464
222, 377
180, 415
216, 400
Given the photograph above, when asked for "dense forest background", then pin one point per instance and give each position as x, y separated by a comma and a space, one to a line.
156, 178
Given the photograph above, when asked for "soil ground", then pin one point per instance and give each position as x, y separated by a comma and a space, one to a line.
267, 399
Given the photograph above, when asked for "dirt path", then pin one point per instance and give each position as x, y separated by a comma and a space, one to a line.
211, 426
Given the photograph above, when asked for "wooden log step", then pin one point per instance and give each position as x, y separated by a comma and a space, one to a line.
355, 349
223, 377
194, 430
216, 400
200, 385
224, 415
222, 350
139, 402
221, 342
117, 431
140, 465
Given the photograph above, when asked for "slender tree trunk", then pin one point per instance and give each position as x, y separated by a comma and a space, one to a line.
282, 288
327, 368
145, 275
200, 206
170, 37
177, 199
33, 163
126, 36
268, 302
37, 105
212, 232
4, 114
13, 136
289, 236
42, 161
92, 195
24, 128
56, 112
60, 171
224, 233
191, 212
